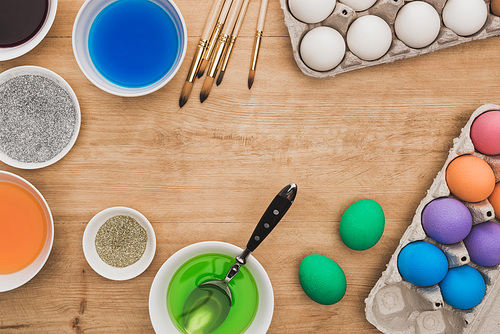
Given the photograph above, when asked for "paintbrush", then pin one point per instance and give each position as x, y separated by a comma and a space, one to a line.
257, 42
200, 49
234, 35
214, 37
219, 49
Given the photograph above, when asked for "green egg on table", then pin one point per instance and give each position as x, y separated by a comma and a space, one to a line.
362, 224
322, 279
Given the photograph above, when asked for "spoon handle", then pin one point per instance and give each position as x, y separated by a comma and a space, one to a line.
271, 217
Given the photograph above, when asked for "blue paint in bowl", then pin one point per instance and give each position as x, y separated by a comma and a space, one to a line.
129, 47
133, 43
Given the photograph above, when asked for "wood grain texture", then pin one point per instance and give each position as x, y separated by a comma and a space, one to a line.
207, 172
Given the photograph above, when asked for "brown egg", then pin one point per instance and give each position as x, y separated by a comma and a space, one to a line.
470, 178
495, 7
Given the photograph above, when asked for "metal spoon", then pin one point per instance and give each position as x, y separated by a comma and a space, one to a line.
208, 305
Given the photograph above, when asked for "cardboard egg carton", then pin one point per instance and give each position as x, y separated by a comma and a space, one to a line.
396, 306
344, 15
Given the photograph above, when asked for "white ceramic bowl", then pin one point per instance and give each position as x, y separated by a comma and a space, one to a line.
35, 70
83, 22
17, 51
12, 281
101, 267
158, 295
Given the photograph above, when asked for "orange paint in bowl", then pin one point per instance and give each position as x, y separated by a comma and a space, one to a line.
470, 178
23, 228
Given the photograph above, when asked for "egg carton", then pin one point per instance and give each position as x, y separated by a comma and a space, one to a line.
396, 306
344, 15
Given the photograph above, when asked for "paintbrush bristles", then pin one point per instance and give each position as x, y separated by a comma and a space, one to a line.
207, 87
186, 91
251, 78
202, 68
219, 78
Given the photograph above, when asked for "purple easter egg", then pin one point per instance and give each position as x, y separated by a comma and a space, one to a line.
446, 220
483, 244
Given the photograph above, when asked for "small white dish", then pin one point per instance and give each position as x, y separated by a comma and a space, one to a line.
81, 29
17, 51
101, 267
15, 280
46, 73
158, 311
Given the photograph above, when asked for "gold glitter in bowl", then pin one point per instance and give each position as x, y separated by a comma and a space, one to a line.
121, 241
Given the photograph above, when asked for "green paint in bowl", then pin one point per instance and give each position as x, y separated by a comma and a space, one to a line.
209, 267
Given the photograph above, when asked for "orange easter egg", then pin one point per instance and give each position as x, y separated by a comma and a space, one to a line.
470, 178
495, 200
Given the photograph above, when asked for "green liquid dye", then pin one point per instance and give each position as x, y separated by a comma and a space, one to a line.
209, 267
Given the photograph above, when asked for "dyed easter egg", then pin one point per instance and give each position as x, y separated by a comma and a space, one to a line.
362, 224
483, 244
485, 133
495, 7
422, 263
322, 279
446, 220
470, 178
495, 200
463, 287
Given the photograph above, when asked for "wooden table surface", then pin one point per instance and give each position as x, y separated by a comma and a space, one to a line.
208, 171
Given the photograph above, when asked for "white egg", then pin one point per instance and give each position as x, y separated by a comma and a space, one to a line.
359, 5
369, 37
322, 48
465, 17
417, 24
311, 11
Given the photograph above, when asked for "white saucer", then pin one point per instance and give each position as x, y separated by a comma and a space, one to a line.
101, 267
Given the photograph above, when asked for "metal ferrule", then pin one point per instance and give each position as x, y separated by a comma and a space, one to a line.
202, 45
230, 46
242, 258
219, 50
213, 41
256, 48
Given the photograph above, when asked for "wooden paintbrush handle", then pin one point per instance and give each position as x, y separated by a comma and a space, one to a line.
234, 35
212, 19
262, 15
241, 18
225, 11
217, 29
232, 17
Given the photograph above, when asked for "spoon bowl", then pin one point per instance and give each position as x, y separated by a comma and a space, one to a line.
207, 306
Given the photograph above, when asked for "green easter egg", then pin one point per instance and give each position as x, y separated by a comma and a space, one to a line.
362, 224
322, 279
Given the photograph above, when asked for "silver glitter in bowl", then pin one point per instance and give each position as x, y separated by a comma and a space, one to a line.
38, 117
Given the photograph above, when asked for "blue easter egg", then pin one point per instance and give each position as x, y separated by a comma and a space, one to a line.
463, 287
422, 263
